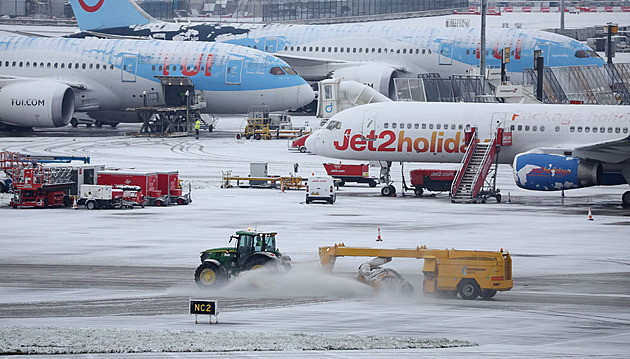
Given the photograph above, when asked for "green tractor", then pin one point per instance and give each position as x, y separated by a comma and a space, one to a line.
254, 250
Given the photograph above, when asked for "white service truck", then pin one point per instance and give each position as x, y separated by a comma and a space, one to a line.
321, 189
99, 196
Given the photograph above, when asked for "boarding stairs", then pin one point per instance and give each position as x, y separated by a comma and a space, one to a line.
468, 185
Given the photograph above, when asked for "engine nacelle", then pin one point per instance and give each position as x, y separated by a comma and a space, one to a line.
547, 172
37, 103
379, 77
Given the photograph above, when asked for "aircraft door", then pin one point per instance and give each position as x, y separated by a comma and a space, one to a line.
129, 68
233, 71
545, 51
498, 121
369, 125
446, 53
271, 45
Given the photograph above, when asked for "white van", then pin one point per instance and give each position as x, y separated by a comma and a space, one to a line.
321, 189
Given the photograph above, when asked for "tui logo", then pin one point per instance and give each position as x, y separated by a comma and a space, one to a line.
89, 8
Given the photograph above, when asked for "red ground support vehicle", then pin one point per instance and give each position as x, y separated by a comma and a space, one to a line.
432, 180
299, 143
147, 181
41, 186
168, 184
350, 173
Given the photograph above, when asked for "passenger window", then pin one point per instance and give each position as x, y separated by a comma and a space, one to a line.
386, 125
341, 49
438, 126
587, 129
602, 129
41, 64
404, 51
329, 49
417, 51
609, 129
379, 50
423, 51
63, 66
625, 130
83, 66
526, 127
446, 126
461, 127
360, 49
424, 126
534, 128
416, 125
572, 129
542, 128
91, 66
111, 67
98, 66
398, 51
402, 125
579, 128
55, 65
512, 127
467, 52
409, 126
394, 125
430, 126
557, 128
317, 48
304, 48
28, 64
335, 48
594, 129
291, 48
617, 130
347, 49
520, 127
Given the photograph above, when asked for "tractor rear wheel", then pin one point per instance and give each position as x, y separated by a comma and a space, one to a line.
260, 262
209, 275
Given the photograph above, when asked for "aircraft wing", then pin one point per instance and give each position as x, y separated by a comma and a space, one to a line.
300, 61
613, 151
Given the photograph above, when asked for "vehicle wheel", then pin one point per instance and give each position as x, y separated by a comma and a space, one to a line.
158, 203
67, 202
498, 197
180, 201
386, 191
257, 137
113, 125
74, 122
625, 199
2, 187
372, 183
341, 183
238, 136
488, 293
259, 262
90, 205
392, 189
418, 191
98, 124
209, 275
303, 149
89, 125
247, 137
308, 201
210, 128
468, 289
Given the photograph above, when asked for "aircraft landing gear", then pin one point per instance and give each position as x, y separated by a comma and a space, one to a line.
388, 191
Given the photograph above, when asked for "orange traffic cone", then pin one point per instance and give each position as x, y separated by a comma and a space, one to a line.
590, 215
379, 239
74, 204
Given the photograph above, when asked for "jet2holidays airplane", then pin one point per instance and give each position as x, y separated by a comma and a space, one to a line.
373, 54
44, 81
553, 147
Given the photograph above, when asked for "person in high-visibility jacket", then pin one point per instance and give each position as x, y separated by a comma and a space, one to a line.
197, 127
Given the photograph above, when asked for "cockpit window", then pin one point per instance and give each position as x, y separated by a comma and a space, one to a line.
333, 125
277, 71
290, 71
592, 53
581, 54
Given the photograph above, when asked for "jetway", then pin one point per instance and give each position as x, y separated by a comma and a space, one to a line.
433, 88
607, 85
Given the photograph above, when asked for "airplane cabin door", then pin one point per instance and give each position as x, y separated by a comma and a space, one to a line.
498, 121
233, 71
271, 45
129, 68
446, 53
369, 124
545, 50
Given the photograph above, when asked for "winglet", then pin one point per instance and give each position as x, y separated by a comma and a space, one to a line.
101, 14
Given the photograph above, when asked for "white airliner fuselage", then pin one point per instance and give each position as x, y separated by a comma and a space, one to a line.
434, 132
43, 81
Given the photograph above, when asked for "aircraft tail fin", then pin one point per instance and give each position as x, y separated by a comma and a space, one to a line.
101, 14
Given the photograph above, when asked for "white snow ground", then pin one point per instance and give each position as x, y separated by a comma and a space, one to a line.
582, 311
547, 236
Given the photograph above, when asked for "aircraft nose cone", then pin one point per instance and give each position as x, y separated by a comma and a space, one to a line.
310, 142
305, 95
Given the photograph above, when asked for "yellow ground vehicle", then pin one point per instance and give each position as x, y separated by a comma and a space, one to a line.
446, 271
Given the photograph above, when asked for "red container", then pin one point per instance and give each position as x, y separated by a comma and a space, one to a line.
147, 181
168, 183
341, 170
418, 176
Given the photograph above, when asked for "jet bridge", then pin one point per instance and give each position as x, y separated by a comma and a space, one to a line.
432, 88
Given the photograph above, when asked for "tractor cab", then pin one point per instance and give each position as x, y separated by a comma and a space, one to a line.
249, 243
